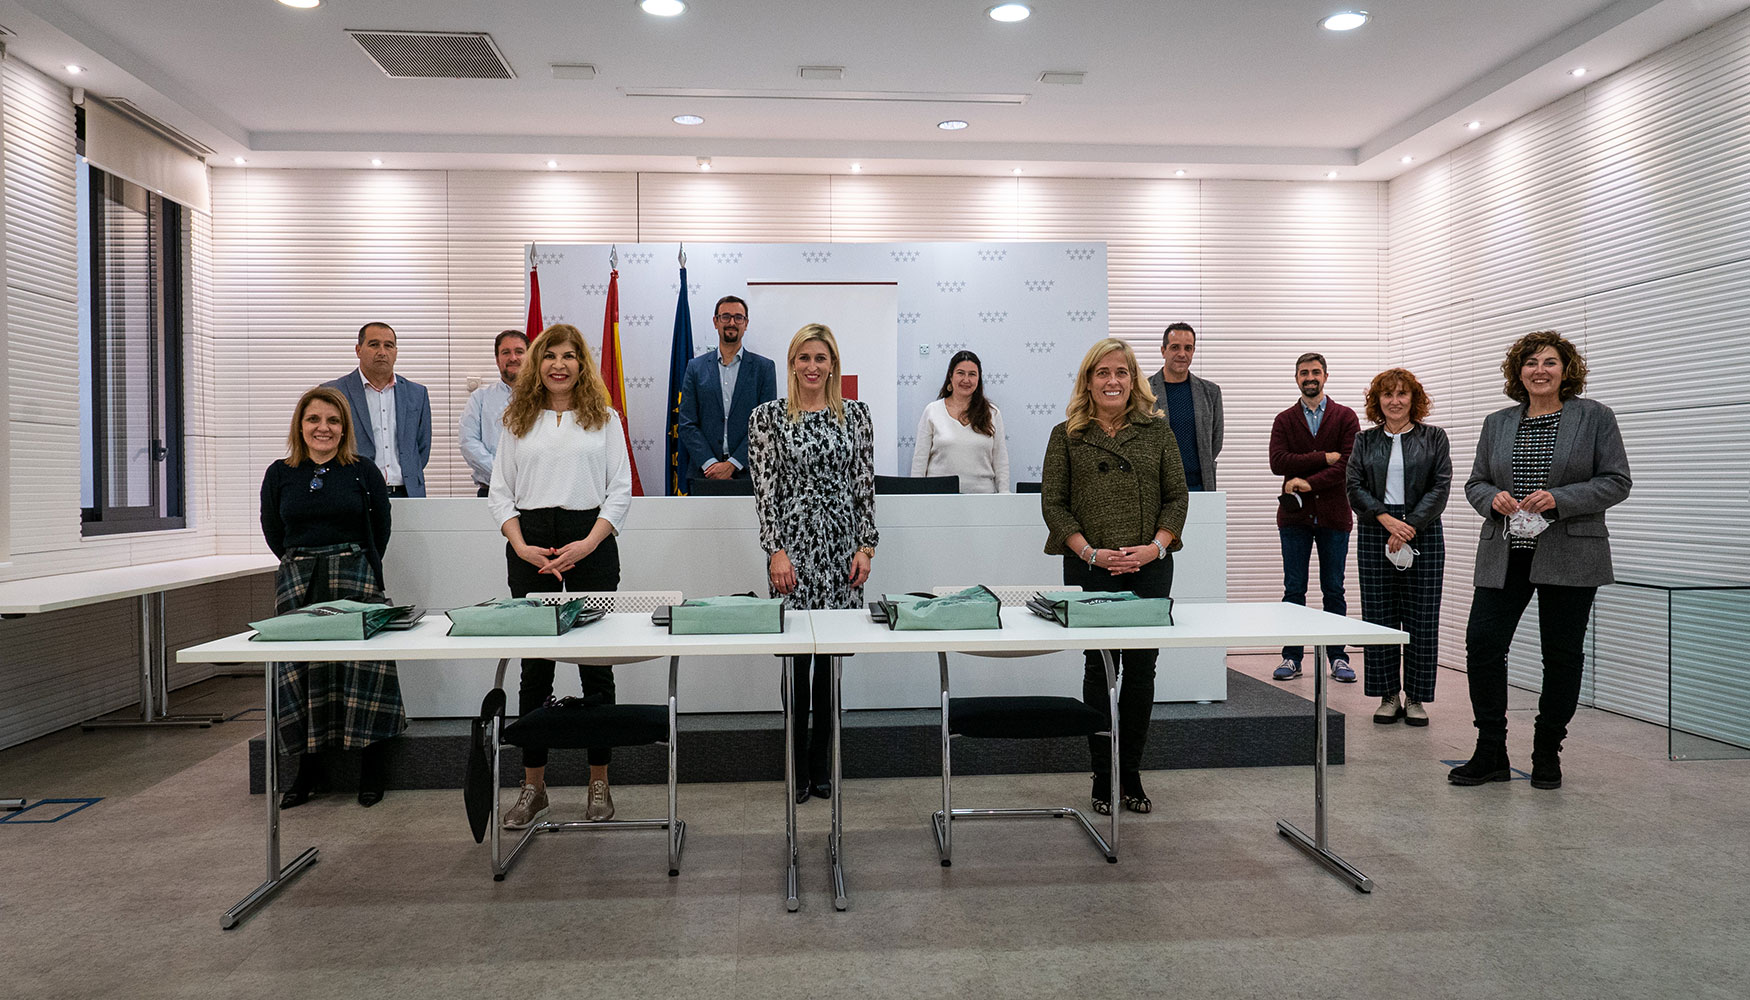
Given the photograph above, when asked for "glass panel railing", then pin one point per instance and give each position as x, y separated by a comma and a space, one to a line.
1710, 683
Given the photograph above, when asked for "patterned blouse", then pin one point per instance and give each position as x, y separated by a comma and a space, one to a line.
814, 491
1534, 451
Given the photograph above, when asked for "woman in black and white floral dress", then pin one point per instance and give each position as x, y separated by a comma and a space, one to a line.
812, 456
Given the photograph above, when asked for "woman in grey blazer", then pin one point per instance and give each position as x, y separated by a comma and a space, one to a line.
1546, 470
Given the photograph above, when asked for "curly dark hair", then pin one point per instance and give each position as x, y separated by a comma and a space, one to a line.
1573, 365
1398, 378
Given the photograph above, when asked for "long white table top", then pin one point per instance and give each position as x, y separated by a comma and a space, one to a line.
829, 632
615, 635
1194, 625
72, 590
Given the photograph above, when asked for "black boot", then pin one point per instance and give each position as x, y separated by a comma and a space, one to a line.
304, 785
1546, 759
373, 773
1488, 763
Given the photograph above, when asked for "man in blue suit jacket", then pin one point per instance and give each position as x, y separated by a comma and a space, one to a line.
391, 416
718, 394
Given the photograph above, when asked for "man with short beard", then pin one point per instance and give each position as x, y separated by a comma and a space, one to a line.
483, 416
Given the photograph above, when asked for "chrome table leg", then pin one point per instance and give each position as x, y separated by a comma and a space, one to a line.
1317, 846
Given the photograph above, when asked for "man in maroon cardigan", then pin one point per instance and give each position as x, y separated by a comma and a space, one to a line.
1309, 448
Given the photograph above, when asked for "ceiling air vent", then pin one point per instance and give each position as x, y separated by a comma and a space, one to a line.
444, 55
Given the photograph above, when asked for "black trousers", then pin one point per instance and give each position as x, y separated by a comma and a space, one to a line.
1136, 667
553, 527
1562, 615
813, 754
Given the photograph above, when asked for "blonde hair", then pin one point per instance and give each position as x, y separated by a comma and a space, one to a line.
528, 397
297, 453
835, 400
1081, 401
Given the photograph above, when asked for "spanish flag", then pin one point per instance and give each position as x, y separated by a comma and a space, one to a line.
614, 372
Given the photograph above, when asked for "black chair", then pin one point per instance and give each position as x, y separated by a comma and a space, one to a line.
918, 484
1021, 717
561, 727
1026, 487
702, 487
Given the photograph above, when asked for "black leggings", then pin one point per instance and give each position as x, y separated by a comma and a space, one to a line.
1136, 694
553, 527
1562, 616
813, 755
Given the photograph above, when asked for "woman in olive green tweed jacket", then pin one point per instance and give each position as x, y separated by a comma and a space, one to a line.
1114, 499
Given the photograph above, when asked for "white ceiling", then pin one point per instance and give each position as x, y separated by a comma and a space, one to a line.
1244, 88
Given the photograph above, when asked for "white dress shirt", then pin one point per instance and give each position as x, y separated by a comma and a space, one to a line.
947, 447
559, 463
381, 407
482, 420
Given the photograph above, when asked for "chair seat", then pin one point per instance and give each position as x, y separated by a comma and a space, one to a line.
1023, 717
563, 727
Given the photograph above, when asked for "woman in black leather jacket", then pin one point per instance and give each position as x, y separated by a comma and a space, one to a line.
1400, 476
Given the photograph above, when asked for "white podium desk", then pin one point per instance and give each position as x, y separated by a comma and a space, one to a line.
448, 552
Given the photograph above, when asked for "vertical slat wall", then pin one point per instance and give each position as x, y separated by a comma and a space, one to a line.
1620, 216
1266, 270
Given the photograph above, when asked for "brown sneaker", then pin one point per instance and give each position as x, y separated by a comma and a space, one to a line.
601, 803
530, 808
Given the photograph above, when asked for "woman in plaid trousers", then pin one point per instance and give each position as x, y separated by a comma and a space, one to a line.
1400, 475
325, 513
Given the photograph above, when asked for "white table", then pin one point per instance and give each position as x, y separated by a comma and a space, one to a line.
616, 635
841, 633
148, 582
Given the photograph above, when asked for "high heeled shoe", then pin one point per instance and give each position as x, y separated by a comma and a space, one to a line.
304, 785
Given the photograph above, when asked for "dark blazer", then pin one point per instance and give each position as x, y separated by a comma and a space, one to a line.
1589, 476
1294, 451
1206, 405
701, 404
1115, 491
412, 426
1427, 474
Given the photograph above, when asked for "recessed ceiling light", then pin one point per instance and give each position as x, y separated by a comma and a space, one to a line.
238, 160
1178, 173
1330, 175
662, 8
1010, 12
688, 120
75, 68
1017, 171
856, 168
951, 125
704, 163
1473, 125
301, 4
552, 164
1345, 20
1406, 159
376, 162
1577, 71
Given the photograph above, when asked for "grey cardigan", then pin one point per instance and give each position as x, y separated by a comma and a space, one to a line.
1589, 476
1206, 404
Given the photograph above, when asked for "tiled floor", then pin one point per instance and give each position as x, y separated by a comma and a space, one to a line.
1631, 881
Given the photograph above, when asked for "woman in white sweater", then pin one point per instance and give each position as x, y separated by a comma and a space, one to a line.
561, 488
961, 433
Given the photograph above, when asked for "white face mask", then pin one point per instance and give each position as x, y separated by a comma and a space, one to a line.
1525, 524
1402, 558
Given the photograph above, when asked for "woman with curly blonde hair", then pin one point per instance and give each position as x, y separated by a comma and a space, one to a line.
1114, 499
561, 489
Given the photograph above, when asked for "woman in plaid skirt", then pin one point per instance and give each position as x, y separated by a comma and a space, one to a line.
325, 513
1400, 475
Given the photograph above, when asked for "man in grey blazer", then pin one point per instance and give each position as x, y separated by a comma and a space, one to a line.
1554, 462
391, 415
718, 394
1192, 406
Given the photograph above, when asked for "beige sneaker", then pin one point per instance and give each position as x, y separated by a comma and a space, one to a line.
601, 803
530, 808
1415, 714
1388, 711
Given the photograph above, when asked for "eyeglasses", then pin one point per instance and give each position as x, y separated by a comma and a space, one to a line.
731, 318
316, 480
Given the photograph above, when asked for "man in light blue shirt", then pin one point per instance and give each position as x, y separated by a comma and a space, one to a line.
483, 416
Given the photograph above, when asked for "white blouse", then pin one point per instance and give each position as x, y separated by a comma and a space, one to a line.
559, 463
947, 447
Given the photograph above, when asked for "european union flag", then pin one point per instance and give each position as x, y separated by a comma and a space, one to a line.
679, 354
